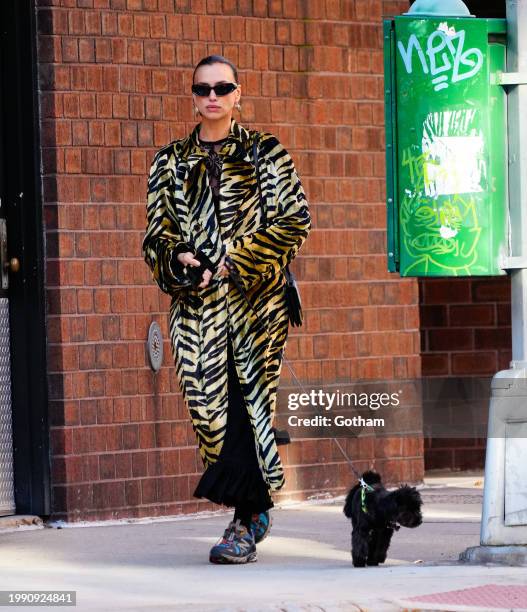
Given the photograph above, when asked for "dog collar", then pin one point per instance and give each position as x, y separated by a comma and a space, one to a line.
364, 487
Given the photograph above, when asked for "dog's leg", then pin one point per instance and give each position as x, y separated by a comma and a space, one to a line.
384, 537
359, 546
373, 546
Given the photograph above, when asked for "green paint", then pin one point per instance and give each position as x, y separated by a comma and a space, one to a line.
446, 146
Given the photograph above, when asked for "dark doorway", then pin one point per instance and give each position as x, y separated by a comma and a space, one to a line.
21, 271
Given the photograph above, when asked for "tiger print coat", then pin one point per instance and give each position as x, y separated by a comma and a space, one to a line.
181, 216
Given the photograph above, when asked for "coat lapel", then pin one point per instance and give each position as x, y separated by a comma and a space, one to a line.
237, 158
237, 147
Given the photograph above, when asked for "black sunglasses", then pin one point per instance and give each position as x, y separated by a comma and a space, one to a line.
221, 89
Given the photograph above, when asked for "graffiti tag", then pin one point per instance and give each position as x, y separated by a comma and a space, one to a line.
441, 238
443, 57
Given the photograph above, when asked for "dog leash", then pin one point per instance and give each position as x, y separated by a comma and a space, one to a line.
238, 283
364, 485
286, 361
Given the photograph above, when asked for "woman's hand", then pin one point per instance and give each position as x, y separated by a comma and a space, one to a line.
223, 268
188, 259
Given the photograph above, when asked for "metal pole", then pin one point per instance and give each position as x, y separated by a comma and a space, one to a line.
517, 133
504, 516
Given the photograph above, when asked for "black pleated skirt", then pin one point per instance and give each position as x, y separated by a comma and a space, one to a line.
236, 479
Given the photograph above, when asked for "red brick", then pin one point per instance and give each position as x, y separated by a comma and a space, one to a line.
119, 50
86, 50
120, 106
112, 133
114, 438
135, 52
93, 22
450, 339
433, 316
107, 467
167, 52
152, 54
472, 315
504, 314
446, 291
436, 364
474, 363
123, 465
88, 412
495, 290
158, 26
493, 338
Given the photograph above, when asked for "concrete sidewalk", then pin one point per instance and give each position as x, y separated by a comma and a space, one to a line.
304, 565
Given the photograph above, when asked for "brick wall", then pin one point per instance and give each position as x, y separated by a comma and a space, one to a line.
465, 331
114, 77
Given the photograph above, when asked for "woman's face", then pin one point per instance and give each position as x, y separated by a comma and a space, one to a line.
212, 106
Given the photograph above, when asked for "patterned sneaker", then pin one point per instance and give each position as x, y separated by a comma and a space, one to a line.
236, 546
261, 526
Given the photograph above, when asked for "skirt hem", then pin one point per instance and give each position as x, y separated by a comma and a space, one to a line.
228, 484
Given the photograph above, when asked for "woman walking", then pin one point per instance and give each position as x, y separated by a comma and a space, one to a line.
219, 249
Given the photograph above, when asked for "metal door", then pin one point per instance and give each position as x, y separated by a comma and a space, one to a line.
7, 489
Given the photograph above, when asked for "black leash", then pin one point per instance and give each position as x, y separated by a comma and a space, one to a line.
236, 279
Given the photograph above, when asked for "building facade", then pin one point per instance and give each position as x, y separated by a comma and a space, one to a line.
96, 433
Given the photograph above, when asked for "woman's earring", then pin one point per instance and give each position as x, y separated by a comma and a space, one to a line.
238, 106
196, 111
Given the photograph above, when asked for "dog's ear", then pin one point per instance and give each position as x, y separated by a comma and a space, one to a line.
348, 504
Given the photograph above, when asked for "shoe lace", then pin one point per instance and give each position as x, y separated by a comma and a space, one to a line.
233, 529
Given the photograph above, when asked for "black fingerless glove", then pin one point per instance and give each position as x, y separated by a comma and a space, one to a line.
195, 273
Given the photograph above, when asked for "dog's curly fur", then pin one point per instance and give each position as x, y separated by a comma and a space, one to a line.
372, 530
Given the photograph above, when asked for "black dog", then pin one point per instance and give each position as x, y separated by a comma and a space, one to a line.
375, 513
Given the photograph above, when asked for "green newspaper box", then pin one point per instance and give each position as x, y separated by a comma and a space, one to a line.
446, 147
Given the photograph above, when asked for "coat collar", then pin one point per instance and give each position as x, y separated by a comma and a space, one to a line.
237, 147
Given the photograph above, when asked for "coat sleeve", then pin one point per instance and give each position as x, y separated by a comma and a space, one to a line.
163, 240
267, 251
